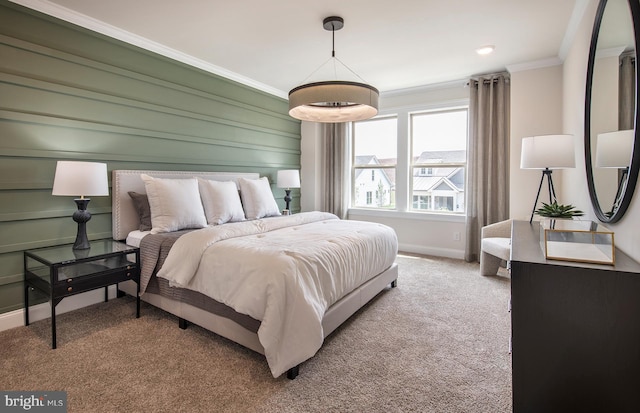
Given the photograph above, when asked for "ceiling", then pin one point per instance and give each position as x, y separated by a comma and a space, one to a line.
275, 45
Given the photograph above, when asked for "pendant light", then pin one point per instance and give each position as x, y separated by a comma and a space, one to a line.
333, 101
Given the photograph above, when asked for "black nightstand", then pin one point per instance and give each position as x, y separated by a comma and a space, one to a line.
61, 271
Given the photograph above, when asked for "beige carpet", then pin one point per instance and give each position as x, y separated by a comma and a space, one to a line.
437, 343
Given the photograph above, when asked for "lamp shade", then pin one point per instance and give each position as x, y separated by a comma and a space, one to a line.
613, 149
548, 151
289, 178
75, 178
333, 102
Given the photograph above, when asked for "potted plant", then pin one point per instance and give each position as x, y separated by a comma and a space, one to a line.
558, 211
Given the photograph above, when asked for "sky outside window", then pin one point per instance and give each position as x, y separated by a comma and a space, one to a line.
377, 137
439, 131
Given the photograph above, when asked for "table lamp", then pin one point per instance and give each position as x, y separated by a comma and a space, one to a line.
74, 178
547, 152
288, 178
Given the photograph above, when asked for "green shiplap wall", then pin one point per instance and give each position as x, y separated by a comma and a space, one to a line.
67, 93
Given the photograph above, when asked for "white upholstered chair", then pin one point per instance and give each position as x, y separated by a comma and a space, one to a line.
495, 246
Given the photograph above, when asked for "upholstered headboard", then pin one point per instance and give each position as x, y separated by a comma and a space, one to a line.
125, 218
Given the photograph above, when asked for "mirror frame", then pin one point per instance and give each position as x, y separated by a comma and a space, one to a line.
634, 167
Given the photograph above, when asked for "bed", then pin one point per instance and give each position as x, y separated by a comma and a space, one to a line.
275, 284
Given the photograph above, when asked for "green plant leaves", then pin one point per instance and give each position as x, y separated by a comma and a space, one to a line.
556, 210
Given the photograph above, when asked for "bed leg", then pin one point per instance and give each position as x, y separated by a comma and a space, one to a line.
182, 323
394, 283
292, 373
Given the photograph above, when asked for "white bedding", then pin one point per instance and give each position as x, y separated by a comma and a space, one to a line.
284, 271
135, 237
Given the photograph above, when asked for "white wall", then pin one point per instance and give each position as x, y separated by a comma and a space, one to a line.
310, 167
627, 236
536, 109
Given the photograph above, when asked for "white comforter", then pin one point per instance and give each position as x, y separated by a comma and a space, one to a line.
284, 271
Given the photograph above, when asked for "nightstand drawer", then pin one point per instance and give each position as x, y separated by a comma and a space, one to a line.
94, 268
72, 286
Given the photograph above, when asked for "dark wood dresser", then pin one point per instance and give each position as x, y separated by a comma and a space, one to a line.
575, 331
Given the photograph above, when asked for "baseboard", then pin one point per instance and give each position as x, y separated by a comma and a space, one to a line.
437, 252
38, 312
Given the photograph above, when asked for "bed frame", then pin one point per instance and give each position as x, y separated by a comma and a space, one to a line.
125, 220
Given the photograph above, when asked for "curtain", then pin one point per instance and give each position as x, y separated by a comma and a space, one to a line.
334, 161
626, 91
487, 193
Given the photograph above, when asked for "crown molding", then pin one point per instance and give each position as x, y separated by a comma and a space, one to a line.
611, 52
536, 64
460, 83
79, 19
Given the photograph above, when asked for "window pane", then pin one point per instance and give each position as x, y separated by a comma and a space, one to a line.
439, 138
375, 141
444, 134
442, 190
374, 193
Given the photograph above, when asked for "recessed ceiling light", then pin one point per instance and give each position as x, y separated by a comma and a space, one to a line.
485, 49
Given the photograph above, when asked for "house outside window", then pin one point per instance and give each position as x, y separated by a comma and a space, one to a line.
422, 202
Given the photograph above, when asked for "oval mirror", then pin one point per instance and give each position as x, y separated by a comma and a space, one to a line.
612, 151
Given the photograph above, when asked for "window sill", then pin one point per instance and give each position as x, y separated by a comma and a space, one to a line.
420, 216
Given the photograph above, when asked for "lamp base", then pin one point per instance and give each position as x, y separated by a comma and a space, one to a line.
81, 216
552, 192
287, 198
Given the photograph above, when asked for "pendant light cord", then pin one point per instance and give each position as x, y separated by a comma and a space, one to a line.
334, 58
333, 40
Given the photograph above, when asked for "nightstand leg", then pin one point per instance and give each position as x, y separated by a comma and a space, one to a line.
53, 326
26, 305
106, 294
138, 301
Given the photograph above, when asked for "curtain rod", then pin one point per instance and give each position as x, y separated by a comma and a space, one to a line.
491, 79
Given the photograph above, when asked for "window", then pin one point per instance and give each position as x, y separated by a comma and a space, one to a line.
422, 202
375, 148
439, 156
431, 171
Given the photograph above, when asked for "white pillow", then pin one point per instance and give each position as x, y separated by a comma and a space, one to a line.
175, 204
257, 198
221, 201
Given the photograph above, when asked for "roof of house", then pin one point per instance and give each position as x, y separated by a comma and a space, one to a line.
390, 174
443, 157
